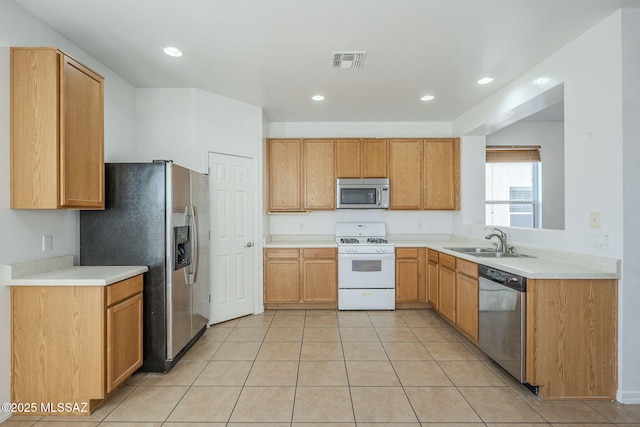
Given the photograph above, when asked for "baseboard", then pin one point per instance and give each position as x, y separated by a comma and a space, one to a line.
628, 397
4, 416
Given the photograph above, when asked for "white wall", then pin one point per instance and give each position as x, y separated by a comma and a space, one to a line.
601, 158
21, 231
630, 292
550, 137
408, 222
593, 139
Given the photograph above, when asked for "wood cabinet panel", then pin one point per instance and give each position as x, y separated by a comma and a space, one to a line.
405, 173
572, 334
320, 280
284, 169
447, 293
447, 261
319, 174
432, 284
467, 305
411, 273
375, 162
57, 132
348, 158
441, 173
467, 268
282, 281
124, 340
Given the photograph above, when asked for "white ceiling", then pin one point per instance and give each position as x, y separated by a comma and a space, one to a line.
277, 53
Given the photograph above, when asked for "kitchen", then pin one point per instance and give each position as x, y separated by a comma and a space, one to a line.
599, 160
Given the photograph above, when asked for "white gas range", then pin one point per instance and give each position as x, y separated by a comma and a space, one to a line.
366, 267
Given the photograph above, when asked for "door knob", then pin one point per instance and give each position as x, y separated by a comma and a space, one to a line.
248, 245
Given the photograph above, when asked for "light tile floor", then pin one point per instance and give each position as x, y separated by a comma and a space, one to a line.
325, 368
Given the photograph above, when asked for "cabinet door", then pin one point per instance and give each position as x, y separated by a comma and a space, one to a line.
320, 280
124, 340
319, 174
285, 174
81, 137
282, 280
441, 174
405, 173
407, 271
348, 158
467, 305
375, 162
447, 293
432, 284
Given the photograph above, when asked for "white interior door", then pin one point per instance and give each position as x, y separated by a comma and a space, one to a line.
232, 236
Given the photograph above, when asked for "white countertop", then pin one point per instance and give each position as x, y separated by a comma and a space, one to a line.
547, 264
60, 271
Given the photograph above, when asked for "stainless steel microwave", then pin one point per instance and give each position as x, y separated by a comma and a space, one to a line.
367, 193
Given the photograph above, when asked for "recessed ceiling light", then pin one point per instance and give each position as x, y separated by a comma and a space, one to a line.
485, 80
172, 51
317, 97
427, 98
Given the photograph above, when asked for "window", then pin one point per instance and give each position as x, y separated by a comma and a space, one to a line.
512, 192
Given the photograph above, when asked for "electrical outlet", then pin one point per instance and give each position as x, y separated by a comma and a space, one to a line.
594, 219
47, 242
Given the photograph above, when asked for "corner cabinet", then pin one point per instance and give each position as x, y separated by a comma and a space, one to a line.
301, 278
57, 132
425, 173
411, 282
74, 344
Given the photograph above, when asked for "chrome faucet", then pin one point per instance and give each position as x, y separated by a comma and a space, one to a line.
501, 244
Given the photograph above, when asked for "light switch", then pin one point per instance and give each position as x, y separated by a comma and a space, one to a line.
595, 219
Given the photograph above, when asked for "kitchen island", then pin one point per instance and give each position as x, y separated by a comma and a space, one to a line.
76, 334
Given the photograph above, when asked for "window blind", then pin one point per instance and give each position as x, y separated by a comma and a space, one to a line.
513, 153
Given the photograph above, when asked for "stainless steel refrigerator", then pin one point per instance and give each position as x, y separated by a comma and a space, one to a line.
157, 214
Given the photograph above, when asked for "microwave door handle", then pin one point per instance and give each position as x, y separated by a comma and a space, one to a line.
379, 193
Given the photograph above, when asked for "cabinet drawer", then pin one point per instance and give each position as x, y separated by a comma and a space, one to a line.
282, 253
447, 261
319, 253
467, 268
124, 289
433, 256
407, 253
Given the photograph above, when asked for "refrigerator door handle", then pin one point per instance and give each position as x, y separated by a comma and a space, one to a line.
191, 271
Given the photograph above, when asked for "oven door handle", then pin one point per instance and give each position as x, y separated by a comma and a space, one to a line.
382, 255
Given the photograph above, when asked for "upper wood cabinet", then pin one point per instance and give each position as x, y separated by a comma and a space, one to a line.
319, 174
441, 174
57, 132
284, 169
361, 158
405, 173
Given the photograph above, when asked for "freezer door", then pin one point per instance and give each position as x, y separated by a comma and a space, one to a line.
199, 269
178, 192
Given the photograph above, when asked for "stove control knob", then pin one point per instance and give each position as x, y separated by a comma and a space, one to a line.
354, 250
383, 250
378, 250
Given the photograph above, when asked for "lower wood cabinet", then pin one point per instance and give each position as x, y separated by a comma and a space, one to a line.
432, 278
298, 278
447, 287
74, 344
572, 338
411, 286
467, 298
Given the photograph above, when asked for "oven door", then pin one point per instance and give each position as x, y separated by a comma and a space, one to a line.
366, 271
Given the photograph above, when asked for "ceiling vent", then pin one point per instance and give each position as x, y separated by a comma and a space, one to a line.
348, 59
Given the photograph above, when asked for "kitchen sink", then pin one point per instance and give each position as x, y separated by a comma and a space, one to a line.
472, 250
487, 252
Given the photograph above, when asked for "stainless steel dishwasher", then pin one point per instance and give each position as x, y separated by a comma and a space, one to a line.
502, 319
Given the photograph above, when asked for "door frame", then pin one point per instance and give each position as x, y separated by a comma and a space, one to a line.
258, 188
